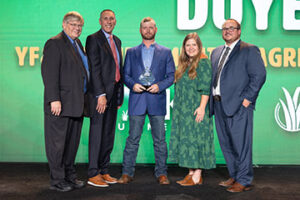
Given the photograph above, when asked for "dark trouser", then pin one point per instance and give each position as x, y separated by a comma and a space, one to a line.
62, 136
235, 136
136, 124
101, 138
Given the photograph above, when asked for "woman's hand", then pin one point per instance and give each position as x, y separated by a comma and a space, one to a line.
199, 112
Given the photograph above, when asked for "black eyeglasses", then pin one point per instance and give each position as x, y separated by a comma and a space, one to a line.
231, 28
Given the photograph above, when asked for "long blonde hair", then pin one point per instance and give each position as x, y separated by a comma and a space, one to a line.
185, 60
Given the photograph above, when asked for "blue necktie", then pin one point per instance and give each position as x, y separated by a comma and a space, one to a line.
75, 48
86, 67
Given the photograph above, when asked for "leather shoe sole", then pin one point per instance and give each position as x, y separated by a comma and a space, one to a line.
163, 180
190, 182
97, 185
125, 179
237, 187
229, 182
108, 179
77, 184
60, 188
187, 177
239, 190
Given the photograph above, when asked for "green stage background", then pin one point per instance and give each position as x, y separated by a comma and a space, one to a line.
26, 25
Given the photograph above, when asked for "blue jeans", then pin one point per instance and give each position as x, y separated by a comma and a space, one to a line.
136, 124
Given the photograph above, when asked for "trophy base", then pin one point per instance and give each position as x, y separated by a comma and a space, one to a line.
146, 86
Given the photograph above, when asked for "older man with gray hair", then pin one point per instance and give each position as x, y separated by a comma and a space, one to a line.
65, 73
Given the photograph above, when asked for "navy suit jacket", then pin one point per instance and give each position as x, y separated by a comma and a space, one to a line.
162, 68
242, 77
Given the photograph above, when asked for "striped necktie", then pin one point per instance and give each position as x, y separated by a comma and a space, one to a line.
220, 66
114, 51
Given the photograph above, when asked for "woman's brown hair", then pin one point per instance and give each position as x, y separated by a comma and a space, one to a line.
185, 60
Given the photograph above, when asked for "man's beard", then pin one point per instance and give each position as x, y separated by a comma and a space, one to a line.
151, 37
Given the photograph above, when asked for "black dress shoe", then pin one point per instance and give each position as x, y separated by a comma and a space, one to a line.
61, 187
75, 183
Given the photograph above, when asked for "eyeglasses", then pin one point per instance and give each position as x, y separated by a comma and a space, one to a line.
231, 28
76, 25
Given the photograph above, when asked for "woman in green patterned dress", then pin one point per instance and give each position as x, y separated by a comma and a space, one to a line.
192, 139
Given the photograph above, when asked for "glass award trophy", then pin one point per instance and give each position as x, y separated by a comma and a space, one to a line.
147, 78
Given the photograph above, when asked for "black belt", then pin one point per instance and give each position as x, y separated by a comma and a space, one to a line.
217, 98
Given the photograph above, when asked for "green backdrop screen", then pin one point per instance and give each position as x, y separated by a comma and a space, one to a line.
26, 25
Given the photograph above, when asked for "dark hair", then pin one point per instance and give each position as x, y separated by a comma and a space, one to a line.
238, 25
106, 10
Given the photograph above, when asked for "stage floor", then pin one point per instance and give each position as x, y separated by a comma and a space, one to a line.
31, 181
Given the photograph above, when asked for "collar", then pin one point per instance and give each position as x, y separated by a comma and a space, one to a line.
71, 40
151, 46
106, 34
233, 44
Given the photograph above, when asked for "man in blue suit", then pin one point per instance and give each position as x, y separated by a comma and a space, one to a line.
238, 75
148, 72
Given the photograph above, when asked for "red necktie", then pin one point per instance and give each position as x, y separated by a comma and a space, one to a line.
114, 51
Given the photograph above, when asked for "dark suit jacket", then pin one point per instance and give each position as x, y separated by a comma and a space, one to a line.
103, 67
242, 77
162, 68
63, 75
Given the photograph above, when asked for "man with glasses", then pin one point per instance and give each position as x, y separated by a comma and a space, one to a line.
104, 52
65, 73
238, 75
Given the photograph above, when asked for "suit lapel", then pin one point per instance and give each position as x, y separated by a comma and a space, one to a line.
138, 54
105, 42
71, 48
234, 51
218, 57
155, 58
215, 60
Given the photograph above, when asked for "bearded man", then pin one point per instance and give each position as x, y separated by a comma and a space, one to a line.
148, 71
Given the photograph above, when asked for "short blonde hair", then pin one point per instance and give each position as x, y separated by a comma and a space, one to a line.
147, 19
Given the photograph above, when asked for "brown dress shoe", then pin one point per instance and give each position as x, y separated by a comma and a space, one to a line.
185, 179
236, 187
163, 180
125, 179
229, 182
97, 181
108, 179
190, 182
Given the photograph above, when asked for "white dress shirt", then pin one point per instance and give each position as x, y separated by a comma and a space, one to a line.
216, 91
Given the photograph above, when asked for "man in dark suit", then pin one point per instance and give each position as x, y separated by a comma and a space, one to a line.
148, 72
104, 52
238, 75
65, 73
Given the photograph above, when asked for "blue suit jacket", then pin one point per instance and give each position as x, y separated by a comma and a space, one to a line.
162, 68
242, 77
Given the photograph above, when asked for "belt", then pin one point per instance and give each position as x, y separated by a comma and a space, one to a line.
217, 98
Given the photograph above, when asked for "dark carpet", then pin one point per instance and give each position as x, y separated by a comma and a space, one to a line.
31, 181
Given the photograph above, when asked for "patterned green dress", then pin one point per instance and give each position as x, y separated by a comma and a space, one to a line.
191, 143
